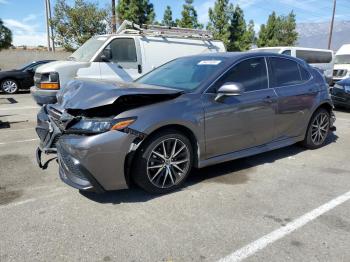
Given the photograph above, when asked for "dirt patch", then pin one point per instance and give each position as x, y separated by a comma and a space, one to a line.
335, 171
7, 197
232, 173
17, 170
335, 222
281, 221
296, 243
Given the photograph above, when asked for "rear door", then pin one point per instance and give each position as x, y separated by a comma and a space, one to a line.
125, 61
240, 122
296, 96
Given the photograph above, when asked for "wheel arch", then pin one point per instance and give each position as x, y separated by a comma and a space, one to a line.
130, 158
327, 105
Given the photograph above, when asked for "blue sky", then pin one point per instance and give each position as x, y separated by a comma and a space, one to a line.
27, 21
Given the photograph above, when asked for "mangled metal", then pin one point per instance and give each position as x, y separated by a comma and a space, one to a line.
89, 102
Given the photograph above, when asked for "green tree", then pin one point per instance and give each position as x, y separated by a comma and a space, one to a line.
241, 36
168, 17
74, 25
137, 11
5, 36
278, 31
288, 35
189, 17
249, 36
219, 21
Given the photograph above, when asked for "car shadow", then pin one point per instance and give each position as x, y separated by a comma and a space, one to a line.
22, 91
232, 172
8, 124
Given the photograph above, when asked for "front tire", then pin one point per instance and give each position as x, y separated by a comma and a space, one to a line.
318, 129
9, 86
163, 163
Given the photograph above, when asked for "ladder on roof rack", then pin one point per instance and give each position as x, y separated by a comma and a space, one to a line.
157, 30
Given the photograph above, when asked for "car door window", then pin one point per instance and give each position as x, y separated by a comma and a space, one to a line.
123, 52
34, 67
250, 73
285, 72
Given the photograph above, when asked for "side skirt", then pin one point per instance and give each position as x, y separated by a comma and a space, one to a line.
250, 151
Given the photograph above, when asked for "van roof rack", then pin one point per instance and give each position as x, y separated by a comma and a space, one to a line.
128, 27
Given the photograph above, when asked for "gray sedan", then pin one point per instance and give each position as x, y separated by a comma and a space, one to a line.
191, 112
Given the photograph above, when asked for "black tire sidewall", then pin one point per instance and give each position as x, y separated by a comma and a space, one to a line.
139, 165
2, 89
308, 143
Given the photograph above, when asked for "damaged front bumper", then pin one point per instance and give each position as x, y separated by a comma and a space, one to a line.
94, 163
48, 133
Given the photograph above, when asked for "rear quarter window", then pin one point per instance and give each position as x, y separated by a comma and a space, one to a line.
286, 72
305, 75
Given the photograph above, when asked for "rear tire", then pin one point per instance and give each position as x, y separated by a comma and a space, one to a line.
318, 129
163, 163
9, 86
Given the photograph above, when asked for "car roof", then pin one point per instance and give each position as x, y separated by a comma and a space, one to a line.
242, 55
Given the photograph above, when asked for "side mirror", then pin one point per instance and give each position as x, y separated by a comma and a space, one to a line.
106, 55
229, 89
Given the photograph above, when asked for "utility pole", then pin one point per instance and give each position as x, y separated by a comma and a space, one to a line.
113, 17
332, 24
49, 15
47, 27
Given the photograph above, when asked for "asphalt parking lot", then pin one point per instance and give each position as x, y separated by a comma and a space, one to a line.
287, 205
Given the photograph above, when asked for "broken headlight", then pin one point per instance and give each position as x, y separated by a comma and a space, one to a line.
96, 126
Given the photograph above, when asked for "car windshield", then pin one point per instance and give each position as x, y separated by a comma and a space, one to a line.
342, 59
23, 67
88, 49
183, 73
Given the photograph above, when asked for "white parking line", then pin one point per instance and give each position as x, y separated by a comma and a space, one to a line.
19, 141
19, 108
264, 241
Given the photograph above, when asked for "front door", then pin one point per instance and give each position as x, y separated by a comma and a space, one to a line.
239, 122
125, 61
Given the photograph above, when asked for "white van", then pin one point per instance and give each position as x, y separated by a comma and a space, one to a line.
342, 63
124, 56
323, 59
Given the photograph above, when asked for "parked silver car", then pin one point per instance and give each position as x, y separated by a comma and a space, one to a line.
191, 112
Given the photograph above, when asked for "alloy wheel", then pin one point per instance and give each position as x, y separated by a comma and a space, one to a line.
9, 86
320, 128
168, 163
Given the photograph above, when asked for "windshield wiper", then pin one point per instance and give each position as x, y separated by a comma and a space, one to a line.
71, 58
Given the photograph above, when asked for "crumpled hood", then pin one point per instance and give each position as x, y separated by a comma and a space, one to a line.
85, 95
